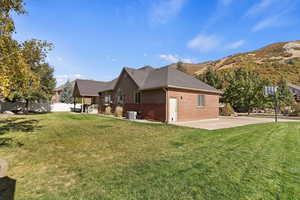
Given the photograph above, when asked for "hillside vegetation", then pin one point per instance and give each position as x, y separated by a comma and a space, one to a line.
272, 62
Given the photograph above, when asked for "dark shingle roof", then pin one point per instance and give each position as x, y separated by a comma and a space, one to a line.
167, 77
147, 78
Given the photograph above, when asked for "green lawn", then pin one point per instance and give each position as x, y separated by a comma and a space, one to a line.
72, 156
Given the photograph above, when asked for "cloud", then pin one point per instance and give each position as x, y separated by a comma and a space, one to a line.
164, 10
236, 44
259, 7
266, 23
204, 42
175, 58
280, 14
225, 2
61, 79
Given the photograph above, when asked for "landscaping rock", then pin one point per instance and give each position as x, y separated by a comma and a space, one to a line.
8, 113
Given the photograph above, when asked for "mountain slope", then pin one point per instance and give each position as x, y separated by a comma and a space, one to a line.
271, 62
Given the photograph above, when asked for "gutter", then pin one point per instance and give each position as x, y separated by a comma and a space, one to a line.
167, 103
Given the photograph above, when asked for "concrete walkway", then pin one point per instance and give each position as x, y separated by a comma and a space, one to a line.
228, 122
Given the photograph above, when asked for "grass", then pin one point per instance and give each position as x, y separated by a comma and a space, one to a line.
88, 157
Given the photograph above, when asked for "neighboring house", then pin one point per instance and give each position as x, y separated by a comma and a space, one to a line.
295, 89
163, 94
57, 93
86, 92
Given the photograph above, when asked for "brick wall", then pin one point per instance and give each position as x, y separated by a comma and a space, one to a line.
187, 109
154, 111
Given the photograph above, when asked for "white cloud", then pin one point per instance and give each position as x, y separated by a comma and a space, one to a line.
59, 58
61, 79
204, 42
272, 21
175, 58
236, 44
164, 10
259, 7
225, 2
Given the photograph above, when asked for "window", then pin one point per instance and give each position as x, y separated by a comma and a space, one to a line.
200, 100
137, 98
107, 98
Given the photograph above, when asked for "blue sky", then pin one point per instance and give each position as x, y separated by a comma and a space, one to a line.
95, 39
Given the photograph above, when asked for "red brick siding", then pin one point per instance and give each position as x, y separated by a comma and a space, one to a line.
187, 109
154, 111
153, 96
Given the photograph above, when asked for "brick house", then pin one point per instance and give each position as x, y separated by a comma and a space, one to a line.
163, 94
295, 89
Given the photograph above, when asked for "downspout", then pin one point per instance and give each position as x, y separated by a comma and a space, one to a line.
167, 103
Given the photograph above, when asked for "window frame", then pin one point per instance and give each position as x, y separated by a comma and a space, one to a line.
200, 100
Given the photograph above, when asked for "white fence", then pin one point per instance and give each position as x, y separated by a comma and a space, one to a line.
63, 107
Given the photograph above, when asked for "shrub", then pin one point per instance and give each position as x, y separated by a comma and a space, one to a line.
296, 110
107, 110
119, 111
227, 110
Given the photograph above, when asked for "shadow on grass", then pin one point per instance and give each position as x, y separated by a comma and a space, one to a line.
16, 124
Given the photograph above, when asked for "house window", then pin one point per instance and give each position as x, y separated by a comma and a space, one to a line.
200, 100
107, 98
137, 98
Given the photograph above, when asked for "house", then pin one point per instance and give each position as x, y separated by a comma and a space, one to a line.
86, 92
295, 89
57, 93
164, 94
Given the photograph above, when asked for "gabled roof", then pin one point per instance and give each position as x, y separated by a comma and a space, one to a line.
139, 75
147, 78
294, 86
150, 78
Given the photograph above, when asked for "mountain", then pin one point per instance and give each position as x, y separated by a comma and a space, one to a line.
272, 62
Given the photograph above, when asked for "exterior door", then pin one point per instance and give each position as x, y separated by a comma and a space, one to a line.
172, 110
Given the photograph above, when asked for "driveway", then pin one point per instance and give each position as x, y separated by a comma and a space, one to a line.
228, 122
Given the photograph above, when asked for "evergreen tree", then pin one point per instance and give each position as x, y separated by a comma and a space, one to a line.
67, 93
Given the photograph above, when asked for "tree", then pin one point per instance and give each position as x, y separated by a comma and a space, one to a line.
24, 73
284, 95
7, 26
35, 54
11, 65
245, 90
180, 66
212, 78
67, 93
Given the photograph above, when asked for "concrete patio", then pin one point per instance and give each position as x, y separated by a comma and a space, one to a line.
228, 122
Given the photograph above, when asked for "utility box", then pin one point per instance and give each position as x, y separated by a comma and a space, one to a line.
131, 115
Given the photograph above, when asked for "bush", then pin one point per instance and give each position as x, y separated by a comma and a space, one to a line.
227, 110
295, 110
119, 111
107, 110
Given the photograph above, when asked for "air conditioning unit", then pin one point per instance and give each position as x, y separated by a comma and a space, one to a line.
131, 115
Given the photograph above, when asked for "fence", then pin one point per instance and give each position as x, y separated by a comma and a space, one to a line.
18, 106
